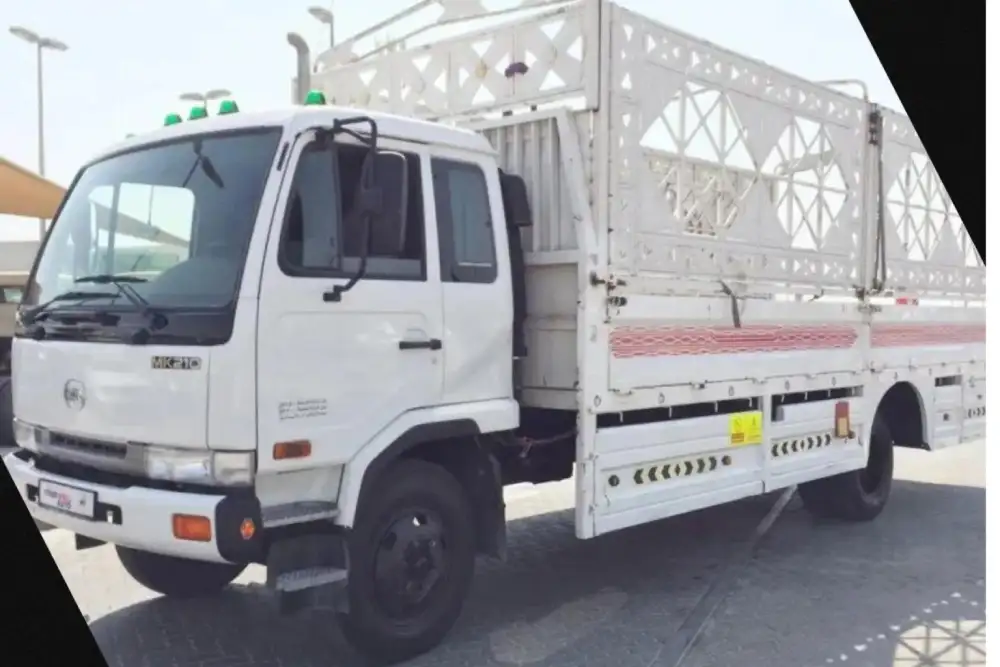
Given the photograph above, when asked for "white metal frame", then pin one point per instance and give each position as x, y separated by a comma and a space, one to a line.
681, 176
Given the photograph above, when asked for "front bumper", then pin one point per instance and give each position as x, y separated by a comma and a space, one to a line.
141, 518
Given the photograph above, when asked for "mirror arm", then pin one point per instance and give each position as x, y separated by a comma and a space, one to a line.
370, 203
370, 139
336, 293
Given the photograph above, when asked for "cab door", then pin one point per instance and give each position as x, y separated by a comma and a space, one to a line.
335, 373
475, 283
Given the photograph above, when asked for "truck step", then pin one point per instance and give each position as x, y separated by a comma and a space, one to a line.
293, 513
307, 578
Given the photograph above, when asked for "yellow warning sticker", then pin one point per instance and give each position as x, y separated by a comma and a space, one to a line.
746, 428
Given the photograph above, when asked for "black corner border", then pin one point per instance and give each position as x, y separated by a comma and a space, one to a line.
935, 56
42, 617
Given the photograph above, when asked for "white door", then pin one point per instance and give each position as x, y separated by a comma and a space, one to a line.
476, 286
336, 373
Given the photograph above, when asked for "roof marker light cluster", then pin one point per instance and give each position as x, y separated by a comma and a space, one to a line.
226, 107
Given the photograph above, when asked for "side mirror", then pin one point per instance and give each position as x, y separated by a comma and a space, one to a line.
516, 203
388, 221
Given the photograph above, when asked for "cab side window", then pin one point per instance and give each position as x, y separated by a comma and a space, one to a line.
465, 223
316, 242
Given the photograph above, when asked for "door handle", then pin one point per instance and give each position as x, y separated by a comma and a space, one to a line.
432, 344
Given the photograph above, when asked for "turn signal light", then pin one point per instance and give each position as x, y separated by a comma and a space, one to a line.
248, 529
192, 528
294, 449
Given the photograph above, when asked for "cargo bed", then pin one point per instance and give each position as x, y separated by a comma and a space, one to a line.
709, 231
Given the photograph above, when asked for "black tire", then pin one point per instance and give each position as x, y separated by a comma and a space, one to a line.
6, 414
384, 543
859, 495
177, 577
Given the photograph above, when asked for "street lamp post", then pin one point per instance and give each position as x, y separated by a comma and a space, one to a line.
206, 97
40, 43
324, 15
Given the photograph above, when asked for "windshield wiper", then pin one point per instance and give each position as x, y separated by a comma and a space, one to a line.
41, 311
124, 285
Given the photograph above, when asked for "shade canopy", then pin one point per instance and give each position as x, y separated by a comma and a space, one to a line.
25, 193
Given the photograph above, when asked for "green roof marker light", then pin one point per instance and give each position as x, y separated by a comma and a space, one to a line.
227, 107
315, 97
172, 119
198, 112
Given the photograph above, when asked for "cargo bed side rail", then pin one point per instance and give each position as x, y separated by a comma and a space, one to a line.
535, 52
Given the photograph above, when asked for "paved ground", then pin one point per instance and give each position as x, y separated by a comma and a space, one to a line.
905, 591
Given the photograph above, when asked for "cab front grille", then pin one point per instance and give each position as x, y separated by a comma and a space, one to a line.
87, 446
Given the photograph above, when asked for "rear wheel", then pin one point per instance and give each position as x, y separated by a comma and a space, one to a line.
411, 560
858, 495
177, 577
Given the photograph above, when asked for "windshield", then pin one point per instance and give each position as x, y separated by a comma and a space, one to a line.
175, 217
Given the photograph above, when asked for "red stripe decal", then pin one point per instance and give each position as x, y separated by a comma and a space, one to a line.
632, 342
909, 335
629, 342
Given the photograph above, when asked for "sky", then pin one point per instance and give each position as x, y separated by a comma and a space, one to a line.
129, 60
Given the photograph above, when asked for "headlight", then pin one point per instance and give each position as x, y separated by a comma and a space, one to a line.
24, 434
28, 436
233, 467
199, 466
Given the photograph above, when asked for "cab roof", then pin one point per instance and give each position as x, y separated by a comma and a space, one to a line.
302, 117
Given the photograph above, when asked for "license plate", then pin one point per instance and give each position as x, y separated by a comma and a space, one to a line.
71, 500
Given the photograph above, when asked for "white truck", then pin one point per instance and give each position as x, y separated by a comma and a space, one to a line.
574, 243
16, 258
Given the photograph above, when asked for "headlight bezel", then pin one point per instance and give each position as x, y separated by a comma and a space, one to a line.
203, 467
28, 436
24, 435
196, 466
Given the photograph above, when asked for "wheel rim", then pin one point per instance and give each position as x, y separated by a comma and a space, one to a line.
411, 561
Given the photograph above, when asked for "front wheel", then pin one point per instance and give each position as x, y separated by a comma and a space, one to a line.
858, 495
177, 577
411, 559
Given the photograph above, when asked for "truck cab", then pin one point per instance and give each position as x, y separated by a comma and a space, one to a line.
229, 310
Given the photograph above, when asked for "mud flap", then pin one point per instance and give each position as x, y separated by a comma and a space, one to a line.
83, 542
308, 572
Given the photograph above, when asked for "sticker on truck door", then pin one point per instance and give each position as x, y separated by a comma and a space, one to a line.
746, 428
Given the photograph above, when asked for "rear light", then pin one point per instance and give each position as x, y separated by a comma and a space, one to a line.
842, 420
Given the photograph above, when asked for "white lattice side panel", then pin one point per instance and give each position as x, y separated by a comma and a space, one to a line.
468, 74
727, 169
531, 148
928, 248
